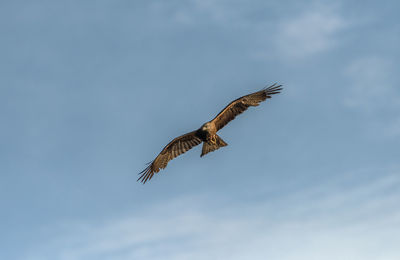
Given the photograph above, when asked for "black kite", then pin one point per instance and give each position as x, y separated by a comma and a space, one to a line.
207, 133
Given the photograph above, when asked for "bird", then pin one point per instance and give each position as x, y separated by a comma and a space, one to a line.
207, 133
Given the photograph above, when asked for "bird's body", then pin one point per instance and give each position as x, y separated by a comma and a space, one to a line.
207, 133
211, 141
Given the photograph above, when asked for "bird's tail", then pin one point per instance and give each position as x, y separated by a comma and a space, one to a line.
209, 147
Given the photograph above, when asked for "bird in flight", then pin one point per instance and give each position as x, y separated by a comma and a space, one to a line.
207, 133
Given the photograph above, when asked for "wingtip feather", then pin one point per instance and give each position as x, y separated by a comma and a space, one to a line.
273, 89
146, 174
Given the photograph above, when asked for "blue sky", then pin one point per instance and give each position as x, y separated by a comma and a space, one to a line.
91, 91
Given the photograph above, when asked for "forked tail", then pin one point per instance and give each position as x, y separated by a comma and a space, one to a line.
209, 147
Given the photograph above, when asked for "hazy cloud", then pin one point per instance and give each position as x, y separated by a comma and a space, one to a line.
91, 93
309, 33
329, 222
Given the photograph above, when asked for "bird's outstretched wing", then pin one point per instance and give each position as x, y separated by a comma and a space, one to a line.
240, 105
175, 148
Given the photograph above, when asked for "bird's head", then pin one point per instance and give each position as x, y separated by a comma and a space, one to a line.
206, 127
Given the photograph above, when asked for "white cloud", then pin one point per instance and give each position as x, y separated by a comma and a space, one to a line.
296, 35
309, 33
328, 222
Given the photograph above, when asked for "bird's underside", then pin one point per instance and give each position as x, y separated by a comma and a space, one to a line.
207, 133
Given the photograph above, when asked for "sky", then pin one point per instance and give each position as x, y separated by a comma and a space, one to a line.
90, 91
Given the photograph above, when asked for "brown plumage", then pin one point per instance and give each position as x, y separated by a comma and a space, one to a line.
207, 133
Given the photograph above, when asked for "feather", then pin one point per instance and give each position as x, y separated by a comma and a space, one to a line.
187, 141
240, 105
175, 148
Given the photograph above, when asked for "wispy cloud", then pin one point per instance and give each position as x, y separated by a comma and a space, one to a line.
309, 33
301, 34
298, 34
333, 221
194, 12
